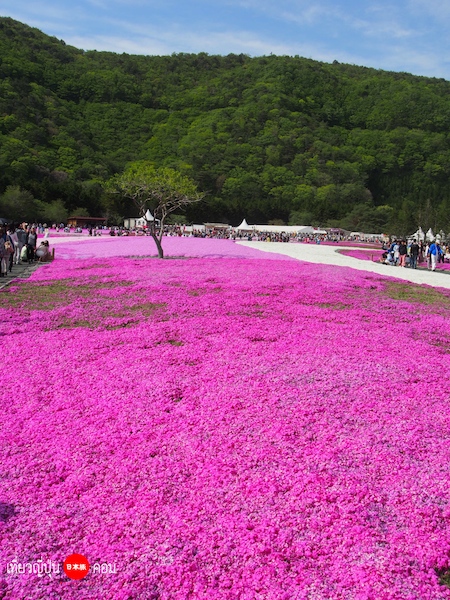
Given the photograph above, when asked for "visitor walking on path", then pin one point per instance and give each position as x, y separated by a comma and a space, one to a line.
414, 255
434, 250
31, 243
402, 253
6, 250
422, 251
11, 232
395, 252
21, 241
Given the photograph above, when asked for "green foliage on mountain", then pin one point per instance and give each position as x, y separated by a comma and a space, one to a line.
273, 137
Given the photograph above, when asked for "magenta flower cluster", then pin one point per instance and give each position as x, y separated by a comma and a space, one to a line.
373, 254
224, 430
173, 246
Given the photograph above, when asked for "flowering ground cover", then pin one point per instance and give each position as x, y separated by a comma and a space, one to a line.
225, 429
68, 247
361, 254
374, 246
144, 245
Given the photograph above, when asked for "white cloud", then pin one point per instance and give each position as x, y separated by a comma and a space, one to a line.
381, 27
414, 61
42, 12
53, 20
120, 45
102, 4
397, 35
166, 42
380, 21
174, 40
303, 12
306, 15
438, 9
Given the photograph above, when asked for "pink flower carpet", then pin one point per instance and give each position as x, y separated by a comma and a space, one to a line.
242, 427
106, 247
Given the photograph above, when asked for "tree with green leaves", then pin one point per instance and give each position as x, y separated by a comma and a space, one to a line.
271, 137
156, 193
18, 204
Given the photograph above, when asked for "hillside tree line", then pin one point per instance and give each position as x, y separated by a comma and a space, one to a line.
267, 138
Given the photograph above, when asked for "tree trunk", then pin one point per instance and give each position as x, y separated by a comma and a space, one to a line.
160, 237
158, 245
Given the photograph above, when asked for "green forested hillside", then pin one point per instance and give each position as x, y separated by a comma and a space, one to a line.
268, 138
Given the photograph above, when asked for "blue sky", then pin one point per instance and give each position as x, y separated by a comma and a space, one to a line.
394, 35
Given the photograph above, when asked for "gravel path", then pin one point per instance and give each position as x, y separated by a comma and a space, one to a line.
321, 254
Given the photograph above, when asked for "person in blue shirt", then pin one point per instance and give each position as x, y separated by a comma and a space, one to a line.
434, 250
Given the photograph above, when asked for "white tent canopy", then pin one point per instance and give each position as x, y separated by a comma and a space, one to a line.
134, 223
308, 229
244, 226
366, 236
285, 229
194, 227
419, 235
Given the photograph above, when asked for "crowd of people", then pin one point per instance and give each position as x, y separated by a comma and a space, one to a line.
19, 244
411, 253
265, 236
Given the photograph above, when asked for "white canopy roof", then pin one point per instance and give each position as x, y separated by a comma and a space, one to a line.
286, 229
360, 234
244, 226
419, 235
313, 230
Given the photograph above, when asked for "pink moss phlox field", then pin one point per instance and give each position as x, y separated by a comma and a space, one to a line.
145, 246
361, 254
224, 430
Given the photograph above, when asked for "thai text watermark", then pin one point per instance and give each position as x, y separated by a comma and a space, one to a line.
73, 568
39, 567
